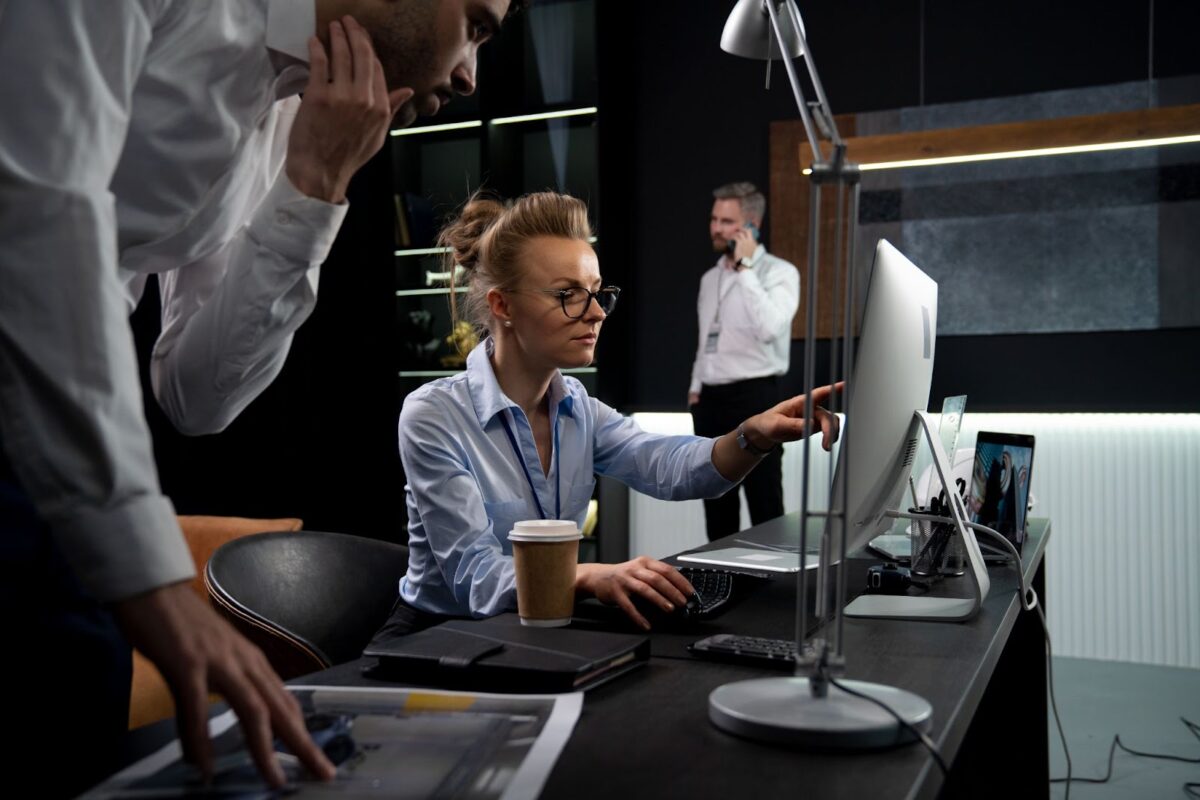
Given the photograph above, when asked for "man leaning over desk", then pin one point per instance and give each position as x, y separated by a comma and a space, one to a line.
167, 137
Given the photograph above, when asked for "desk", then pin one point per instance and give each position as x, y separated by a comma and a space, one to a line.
647, 733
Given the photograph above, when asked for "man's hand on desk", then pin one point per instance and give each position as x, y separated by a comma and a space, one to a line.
614, 584
197, 651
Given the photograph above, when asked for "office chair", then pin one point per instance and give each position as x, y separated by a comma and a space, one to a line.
149, 697
308, 599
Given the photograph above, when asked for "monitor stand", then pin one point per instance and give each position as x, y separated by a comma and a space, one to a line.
933, 609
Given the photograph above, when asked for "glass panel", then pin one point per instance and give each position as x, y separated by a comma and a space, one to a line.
421, 273
423, 325
560, 54
434, 175
556, 154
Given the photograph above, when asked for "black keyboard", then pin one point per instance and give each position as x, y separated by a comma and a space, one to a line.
714, 588
755, 650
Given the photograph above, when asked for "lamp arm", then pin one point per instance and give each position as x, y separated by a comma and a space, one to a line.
822, 102
810, 130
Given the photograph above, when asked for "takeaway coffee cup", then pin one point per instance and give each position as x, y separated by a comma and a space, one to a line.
545, 552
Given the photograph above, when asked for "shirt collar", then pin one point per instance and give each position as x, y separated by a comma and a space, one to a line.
487, 396
289, 25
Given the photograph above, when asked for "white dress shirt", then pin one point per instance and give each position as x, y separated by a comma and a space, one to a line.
752, 309
468, 481
143, 137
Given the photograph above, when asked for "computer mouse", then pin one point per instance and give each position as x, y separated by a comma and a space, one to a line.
659, 618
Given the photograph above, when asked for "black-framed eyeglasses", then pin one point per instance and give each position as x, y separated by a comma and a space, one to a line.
575, 299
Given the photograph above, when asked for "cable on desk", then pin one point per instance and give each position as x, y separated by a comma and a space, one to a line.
1029, 598
1029, 602
921, 735
1053, 702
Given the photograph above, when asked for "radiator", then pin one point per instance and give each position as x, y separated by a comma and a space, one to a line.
1122, 492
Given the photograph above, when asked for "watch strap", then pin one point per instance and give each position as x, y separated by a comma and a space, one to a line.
749, 446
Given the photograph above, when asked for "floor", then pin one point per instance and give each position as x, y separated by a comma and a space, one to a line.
1141, 703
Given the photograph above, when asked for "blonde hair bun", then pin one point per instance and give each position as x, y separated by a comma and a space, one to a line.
464, 235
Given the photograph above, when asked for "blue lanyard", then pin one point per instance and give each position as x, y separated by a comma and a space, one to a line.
529, 478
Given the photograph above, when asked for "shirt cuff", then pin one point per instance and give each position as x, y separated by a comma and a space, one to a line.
124, 551
750, 277
295, 225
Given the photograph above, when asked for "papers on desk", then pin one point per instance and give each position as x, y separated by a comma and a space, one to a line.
404, 743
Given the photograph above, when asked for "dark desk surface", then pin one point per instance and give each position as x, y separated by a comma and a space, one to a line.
648, 734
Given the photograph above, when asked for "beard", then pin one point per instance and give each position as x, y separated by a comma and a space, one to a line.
720, 245
404, 38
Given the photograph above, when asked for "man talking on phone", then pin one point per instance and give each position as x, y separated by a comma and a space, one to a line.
746, 304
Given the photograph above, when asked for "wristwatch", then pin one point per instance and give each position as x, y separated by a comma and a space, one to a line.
749, 446
745, 262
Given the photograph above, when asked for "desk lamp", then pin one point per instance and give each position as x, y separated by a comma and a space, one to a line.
808, 709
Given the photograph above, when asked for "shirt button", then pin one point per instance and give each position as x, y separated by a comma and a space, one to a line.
283, 217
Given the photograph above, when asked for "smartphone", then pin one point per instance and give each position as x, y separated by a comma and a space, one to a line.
731, 245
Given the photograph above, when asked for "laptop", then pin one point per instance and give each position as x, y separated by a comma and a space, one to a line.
754, 558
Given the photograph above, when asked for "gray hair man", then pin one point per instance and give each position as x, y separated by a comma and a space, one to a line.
745, 309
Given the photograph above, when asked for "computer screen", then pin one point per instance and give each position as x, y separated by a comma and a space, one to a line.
893, 368
1000, 483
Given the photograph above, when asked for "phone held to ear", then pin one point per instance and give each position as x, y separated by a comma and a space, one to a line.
731, 245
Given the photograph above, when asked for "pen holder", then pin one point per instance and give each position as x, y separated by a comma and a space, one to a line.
931, 543
955, 561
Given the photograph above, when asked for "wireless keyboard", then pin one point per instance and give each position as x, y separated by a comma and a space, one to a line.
714, 588
754, 650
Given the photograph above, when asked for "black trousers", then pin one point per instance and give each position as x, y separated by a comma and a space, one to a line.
720, 410
66, 668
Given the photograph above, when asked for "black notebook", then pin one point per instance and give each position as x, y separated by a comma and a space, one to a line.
501, 655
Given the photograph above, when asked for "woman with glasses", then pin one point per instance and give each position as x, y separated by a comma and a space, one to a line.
511, 438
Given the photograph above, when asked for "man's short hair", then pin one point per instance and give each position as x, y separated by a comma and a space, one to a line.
754, 205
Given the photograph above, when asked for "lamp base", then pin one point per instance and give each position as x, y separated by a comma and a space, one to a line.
784, 711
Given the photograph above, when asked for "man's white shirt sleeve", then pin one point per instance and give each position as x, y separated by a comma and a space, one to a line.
228, 322
71, 415
773, 298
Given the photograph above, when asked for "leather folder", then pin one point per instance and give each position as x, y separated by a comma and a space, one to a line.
501, 655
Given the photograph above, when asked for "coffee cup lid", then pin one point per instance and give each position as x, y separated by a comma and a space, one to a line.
545, 530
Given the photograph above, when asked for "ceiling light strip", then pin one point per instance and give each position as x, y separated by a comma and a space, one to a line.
1032, 153
570, 112
449, 126
423, 251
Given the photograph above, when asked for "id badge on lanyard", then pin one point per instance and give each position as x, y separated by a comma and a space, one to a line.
714, 333
714, 328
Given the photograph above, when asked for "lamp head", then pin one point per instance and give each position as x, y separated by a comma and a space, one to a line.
748, 31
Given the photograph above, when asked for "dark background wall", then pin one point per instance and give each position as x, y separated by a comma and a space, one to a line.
694, 118
679, 117
320, 442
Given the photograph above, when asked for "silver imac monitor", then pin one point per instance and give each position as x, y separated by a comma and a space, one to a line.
893, 368
890, 383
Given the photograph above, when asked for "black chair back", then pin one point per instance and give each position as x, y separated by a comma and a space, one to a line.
309, 599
